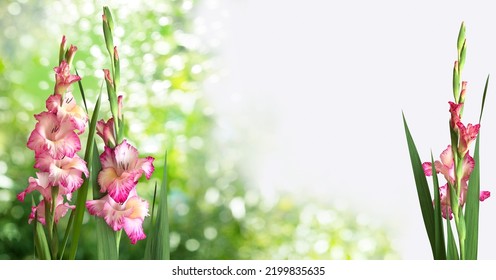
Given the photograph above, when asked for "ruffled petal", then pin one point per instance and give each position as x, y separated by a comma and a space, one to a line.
134, 229
484, 195
95, 207
41, 184
126, 156
118, 187
107, 158
427, 166
146, 164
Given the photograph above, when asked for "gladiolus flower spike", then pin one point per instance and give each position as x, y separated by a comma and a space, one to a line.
55, 143
459, 197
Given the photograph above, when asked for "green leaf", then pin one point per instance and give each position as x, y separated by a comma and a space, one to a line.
82, 193
80, 85
423, 193
472, 208
483, 99
40, 241
452, 250
107, 241
157, 247
440, 250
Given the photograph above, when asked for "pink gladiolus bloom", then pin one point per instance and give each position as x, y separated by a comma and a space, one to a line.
129, 215
64, 78
66, 108
445, 200
41, 184
64, 172
447, 166
455, 114
106, 131
121, 169
467, 136
52, 136
61, 209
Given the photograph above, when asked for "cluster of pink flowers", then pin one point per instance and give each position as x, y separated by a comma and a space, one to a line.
465, 135
55, 143
121, 207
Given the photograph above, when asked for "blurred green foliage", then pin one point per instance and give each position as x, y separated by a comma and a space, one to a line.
214, 215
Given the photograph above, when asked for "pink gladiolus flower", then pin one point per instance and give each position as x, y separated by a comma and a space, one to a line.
66, 108
41, 184
446, 204
52, 136
106, 131
61, 209
121, 169
447, 166
64, 78
455, 114
65, 172
129, 215
467, 136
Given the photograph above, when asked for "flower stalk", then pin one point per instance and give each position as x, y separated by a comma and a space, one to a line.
459, 198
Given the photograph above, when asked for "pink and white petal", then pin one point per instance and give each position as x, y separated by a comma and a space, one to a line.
41, 184
126, 155
427, 166
61, 210
72, 181
39, 212
114, 215
447, 157
37, 142
53, 103
78, 164
95, 207
146, 164
134, 229
468, 166
67, 146
43, 161
107, 158
139, 208
106, 177
120, 187
484, 195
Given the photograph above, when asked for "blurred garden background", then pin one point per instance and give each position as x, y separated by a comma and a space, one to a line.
168, 55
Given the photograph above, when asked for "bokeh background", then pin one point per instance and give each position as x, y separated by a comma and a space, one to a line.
282, 119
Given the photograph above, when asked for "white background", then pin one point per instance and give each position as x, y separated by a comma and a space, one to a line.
314, 92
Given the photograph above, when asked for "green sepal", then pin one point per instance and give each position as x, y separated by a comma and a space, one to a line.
108, 26
461, 38
456, 82
463, 55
